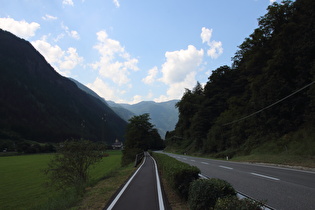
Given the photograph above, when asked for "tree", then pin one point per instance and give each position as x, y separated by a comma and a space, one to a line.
140, 136
70, 165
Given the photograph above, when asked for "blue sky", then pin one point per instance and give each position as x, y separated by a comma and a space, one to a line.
129, 51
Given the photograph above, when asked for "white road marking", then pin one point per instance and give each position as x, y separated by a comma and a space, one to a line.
192, 160
268, 177
161, 202
226, 167
205, 163
202, 176
185, 158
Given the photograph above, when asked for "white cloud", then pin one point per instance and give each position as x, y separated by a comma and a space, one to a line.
206, 35
115, 63
71, 59
136, 99
49, 17
51, 53
180, 63
73, 34
21, 28
62, 61
179, 71
216, 48
68, 2
60, 36
102, 89
176, 90
116, 2
151, 76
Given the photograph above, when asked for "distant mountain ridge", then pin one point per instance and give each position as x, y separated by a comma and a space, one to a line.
36, 103
163, 115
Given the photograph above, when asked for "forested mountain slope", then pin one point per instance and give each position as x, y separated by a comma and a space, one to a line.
36, 103
268, 93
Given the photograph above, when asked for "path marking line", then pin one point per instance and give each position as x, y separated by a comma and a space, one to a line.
205, 163
126, 185
192, 160
268, 177
226, 167
161, 202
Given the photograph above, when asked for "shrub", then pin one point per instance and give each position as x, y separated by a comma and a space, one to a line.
129, 156
204, 193
233, 203
70, 166
178, 174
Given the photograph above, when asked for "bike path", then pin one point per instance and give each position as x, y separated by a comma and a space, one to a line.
142, 191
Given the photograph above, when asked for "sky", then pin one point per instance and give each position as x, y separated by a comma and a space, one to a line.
129, 51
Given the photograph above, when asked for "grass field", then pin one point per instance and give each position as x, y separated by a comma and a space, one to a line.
22, 182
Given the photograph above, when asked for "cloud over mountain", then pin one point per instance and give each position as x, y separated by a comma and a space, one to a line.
21, 28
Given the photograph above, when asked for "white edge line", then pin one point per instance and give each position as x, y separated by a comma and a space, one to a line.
226, 167
268, 177
161, 202
124, 188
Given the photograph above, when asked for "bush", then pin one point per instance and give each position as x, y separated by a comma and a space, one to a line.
233, 203
70, 166
204, 193
129, 155
178, 174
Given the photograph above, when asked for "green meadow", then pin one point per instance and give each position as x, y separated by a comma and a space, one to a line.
22, 182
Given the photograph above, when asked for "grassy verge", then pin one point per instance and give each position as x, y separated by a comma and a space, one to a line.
99, 195
22, 183
174, 200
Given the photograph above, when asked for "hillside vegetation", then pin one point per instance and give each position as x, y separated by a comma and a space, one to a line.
36, 103
265, 100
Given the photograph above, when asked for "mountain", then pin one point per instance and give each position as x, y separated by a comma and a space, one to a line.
37, 103
88, 90
163, 115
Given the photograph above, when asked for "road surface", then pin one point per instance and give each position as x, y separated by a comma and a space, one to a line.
283, 188
142, 191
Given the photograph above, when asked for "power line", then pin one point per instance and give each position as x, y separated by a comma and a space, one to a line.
271, 105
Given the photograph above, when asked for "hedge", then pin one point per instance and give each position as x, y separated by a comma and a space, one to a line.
204, 193
178, 174
233, 203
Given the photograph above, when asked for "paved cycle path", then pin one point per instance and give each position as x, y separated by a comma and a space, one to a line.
142, 191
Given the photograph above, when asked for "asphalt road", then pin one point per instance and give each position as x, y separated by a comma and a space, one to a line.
283, 188
142, 191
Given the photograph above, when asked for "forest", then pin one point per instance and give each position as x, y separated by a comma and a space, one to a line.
266, 95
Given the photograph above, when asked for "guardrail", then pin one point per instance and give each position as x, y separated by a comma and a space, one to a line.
139, 158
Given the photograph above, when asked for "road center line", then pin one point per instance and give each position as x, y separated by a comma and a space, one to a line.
192, 160
268, 177
205, 163
226, 167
